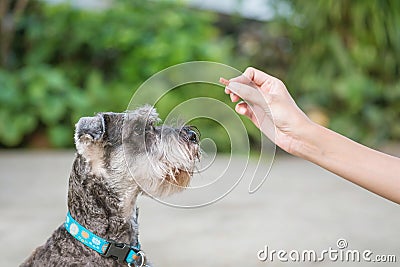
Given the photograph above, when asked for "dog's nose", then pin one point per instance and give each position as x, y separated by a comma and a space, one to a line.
191, 134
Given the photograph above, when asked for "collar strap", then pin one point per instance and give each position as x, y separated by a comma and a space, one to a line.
118, 251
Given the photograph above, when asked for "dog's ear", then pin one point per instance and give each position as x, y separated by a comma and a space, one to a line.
90, 128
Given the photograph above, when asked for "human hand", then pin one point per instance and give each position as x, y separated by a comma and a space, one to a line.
269, 106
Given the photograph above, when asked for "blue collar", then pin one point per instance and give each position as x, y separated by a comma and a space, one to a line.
118, 251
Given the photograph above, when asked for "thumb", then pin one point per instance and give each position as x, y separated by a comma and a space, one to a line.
248, 93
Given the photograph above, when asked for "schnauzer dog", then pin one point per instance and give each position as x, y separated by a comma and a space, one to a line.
119, 156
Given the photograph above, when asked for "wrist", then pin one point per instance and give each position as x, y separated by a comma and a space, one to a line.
305, 143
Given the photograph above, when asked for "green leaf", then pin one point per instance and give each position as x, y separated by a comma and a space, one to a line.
61, 135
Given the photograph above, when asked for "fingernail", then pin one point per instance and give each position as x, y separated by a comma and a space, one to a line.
240, 110
232, 95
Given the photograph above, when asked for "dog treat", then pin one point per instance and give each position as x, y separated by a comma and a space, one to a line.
224, 81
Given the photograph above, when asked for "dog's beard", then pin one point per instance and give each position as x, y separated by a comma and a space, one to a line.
164, 169
180, 178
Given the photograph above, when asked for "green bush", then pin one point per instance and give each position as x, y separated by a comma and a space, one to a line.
340, 58
345, 61
68, 62
35, 97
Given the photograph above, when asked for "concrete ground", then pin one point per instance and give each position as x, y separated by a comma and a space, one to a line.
300, 207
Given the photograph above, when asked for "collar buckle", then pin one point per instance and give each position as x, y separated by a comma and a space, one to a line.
117, 251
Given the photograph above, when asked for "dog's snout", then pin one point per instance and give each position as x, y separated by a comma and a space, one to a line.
191, 134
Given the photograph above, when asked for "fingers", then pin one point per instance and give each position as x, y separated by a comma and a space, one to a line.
234, 98
250, 86
252, 77
226, 83
256, 76
243, 109
238, 90
247, 93
241, 79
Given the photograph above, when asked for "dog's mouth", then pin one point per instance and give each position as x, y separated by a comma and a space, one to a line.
180, 176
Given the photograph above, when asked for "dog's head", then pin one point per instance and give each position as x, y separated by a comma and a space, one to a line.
130, 149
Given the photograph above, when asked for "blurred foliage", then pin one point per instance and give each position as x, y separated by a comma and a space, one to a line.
340, 59
67, 62
343, 61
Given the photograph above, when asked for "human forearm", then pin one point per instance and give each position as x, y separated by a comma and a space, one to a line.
373, 170
268, 103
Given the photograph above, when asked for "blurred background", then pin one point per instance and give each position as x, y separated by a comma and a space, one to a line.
61, 60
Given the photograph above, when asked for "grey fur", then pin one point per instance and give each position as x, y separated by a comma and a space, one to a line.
119, 156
